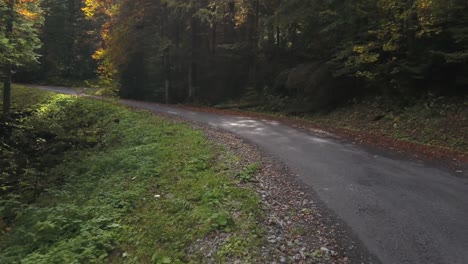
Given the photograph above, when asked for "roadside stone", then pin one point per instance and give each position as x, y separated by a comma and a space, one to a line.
325, 250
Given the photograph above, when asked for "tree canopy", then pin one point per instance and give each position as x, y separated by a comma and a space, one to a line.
213, 50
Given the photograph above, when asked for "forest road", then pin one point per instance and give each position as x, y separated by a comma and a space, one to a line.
403, 211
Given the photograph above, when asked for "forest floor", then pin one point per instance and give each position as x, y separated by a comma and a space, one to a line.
154, 190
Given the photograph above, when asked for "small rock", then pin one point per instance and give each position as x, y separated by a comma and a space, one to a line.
297, 257
272, 239
282, 260
273, 221
325, 250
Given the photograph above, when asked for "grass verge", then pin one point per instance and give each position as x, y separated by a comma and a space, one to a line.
145, 191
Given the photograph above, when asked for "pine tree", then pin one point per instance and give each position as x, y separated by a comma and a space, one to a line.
19, 41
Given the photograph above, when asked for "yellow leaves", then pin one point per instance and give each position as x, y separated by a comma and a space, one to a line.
365, 53
90, 7
26, 9
93, 7
99, 54
26, 13
427, 19
242, 13
359, 48
424, 4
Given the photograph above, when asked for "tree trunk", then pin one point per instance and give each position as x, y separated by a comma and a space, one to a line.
193, 67
7, 92
213, 39
190, 83
71, 40
253, 45
166, 90
278, 39
166, 56
8, 68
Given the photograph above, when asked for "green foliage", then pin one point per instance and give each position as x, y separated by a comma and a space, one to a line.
70, 40
237, 247
46, 129
248, 172
143, 193
400, 49
19, 47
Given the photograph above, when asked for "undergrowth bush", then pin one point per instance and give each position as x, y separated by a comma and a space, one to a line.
37, 139
117, 186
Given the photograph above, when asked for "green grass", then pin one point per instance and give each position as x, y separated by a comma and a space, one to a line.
25, 99
146, 196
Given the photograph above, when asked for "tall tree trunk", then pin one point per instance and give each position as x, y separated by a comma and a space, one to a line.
190, 83
7, 92
193, 67
167, 86
213, 39
253, 45
166, 56
278, 39
8, 68
71, 40
229, 32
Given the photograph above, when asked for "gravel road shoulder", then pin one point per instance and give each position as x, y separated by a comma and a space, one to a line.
299, 229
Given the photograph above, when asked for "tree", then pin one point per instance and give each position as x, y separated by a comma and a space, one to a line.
19, 41
213, 50
69, 42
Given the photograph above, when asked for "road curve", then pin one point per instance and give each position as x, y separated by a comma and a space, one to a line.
402, 211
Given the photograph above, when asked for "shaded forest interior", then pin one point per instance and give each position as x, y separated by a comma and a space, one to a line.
296, 55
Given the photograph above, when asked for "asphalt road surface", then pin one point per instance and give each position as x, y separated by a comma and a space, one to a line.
402, 211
